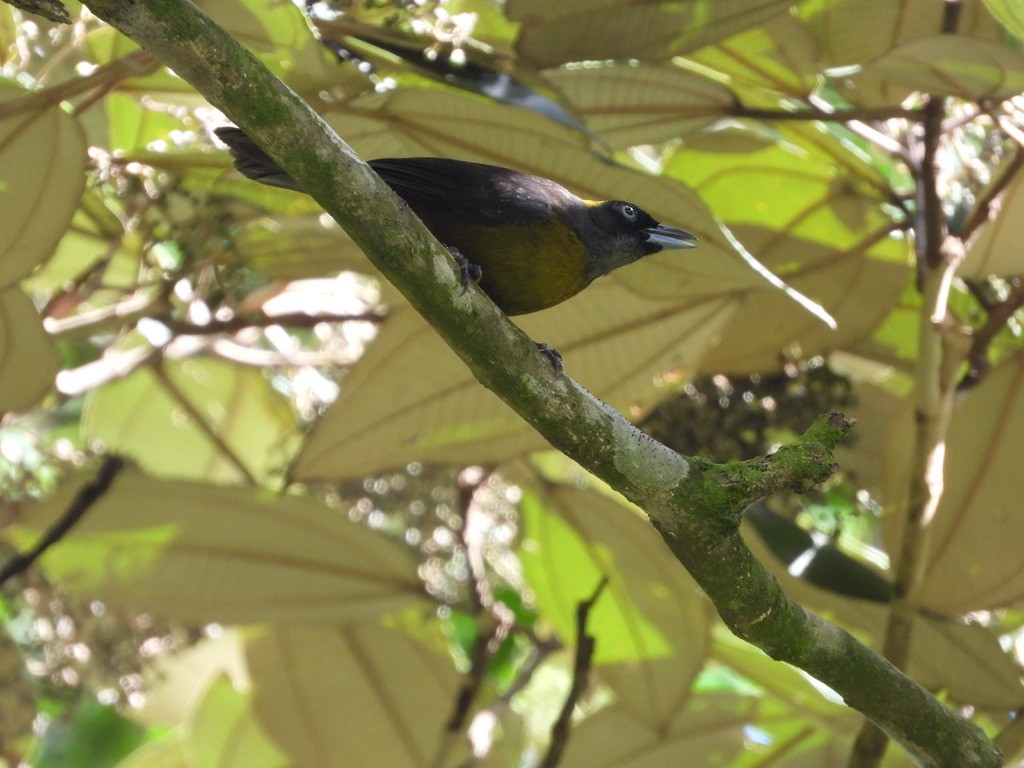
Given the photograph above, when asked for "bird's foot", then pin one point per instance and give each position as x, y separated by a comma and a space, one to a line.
467, 270
553, 355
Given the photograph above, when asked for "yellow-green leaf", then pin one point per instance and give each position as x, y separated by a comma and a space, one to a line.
651, 622
810, 212
199, 418
779, 56
42, 163
200, 553
28, 360
412, 399
223, 732
629, 104
650, 30
947, 65
363, 697
1010, 13
995, 247
712, 726
978, 512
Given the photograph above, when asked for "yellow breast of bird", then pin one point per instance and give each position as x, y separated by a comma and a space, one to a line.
526, 267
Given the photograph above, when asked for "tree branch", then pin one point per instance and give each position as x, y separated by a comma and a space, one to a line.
52, 10
695, 505
981, 340
585, 645
938, 258
857, 114
89, 495
103, 79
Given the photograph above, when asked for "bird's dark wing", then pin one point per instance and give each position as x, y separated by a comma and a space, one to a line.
252, 162
432, 186
484, 194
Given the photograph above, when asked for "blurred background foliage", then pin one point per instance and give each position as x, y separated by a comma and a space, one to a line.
334, 547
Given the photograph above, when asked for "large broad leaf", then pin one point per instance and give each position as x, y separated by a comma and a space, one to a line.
42, 164
410, 397
852, 33
649, 30
613, 738
965, 661
223, 732
629, 104
200, 553
995, 247
1010, 13
651, 623
857, 31
357, 697
779, 56
28, 360
802, 206
95, 235
946, 65
979, 509
200, 419
174, 682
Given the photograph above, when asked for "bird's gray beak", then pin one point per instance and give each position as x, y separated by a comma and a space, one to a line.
670, 237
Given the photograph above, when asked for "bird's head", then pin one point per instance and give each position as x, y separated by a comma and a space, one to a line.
619, 233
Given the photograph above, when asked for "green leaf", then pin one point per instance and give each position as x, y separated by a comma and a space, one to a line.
223, 732
651, 623
200, 553
947, 65
73, 742
133, 126
814, 214
629, 104
977, 511
365, 692
196, 418
648, 31
42, 164
168, 752
994, 249
1010, 14
28, 360
778, 57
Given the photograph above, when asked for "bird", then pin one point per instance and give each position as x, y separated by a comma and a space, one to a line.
527, 241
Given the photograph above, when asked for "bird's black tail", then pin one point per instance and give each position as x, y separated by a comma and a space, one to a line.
252, 162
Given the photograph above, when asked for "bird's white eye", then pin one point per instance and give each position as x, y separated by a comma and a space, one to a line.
628, 211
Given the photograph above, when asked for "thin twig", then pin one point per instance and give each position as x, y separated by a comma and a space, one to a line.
580, 675
494, 620
139, 63
243, 322
982, 206
998, 315
86, 497
828, 116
